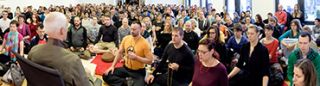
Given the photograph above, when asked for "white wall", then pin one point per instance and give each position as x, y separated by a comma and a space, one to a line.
114, 2
217, 4
180, 2
263, 7
195, 2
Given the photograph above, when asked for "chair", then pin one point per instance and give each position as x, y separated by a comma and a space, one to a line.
38, 75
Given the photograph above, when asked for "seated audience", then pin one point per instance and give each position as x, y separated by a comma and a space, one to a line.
303, 52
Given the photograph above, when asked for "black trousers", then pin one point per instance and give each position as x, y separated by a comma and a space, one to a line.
120, 75
245, 78
4, 58
163, 80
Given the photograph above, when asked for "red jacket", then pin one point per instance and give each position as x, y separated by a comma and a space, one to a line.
282, 17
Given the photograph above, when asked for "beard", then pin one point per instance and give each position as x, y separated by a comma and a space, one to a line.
134, 34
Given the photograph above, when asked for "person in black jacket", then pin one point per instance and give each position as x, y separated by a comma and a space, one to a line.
176, 66
253, 66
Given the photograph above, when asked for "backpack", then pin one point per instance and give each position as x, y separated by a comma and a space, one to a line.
3, 69
14, 75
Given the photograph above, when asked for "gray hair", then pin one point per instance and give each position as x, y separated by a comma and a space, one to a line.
54, 22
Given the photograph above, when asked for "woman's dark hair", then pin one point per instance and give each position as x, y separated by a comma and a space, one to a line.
37, 18
297, 22
270, 14
22, 16
217, 31
269, 27
259, 18
14, 22
237, 27
210, 46
308, 70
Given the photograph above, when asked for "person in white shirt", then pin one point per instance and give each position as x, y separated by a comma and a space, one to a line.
4, 21
86, 20
93, 30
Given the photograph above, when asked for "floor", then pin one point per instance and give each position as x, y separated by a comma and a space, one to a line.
25, 82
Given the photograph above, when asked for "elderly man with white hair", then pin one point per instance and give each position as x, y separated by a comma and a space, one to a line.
54, 55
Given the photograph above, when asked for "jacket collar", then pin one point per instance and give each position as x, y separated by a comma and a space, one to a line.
56, 42
310, 55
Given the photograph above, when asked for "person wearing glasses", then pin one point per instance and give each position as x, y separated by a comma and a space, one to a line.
208, 65
252, 68
214, 36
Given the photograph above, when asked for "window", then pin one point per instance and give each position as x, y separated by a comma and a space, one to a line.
311, 9
288, 4
195, 2
231, 7
245, 5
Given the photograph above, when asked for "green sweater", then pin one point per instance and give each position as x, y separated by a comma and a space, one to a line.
295, 55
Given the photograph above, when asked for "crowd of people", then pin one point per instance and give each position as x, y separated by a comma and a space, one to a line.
167, 45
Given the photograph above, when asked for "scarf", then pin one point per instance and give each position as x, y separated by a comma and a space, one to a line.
12, 42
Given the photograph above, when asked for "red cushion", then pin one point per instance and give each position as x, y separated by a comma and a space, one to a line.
101, 65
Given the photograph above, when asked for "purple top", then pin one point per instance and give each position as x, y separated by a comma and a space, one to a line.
209, 76
24, 30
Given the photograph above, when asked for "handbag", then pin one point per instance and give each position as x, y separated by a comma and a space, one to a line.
14, 75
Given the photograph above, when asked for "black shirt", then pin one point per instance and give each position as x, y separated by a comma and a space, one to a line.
192, 39
184, 57
256, 66
108, 33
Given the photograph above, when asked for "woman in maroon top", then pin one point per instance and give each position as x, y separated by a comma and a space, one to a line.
33, 26
270, 43
208, 70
